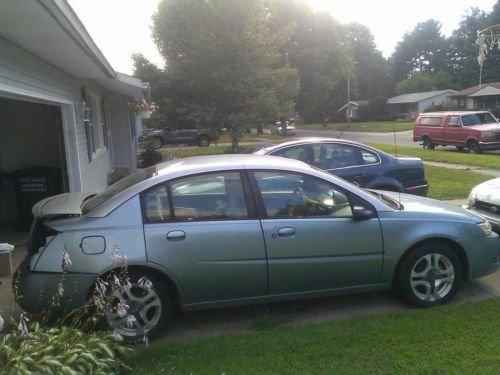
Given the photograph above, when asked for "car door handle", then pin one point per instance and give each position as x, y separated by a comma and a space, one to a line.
176, 235
286, 232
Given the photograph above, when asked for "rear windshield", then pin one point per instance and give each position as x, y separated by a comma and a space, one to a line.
478, 119
430, 121
117, 187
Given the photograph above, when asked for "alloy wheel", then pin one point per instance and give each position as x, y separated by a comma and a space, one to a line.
432, 277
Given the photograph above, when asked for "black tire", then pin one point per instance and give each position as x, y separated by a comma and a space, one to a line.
473, 147
460, 148
427, 144
203, 141
161, 314
416, 283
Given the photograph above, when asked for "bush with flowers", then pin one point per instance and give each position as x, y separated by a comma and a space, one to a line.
71, 344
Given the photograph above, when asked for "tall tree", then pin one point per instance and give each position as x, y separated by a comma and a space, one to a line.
422, 50
372, 71
315, 48
223, 62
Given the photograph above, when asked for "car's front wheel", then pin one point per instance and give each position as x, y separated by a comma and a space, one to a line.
147, 310
430, 275
203, 141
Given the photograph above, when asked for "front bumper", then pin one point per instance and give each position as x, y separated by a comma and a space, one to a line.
36, 292
494, 220
483, 255
489, 145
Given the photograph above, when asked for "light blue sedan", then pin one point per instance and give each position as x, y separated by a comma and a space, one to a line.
229, 230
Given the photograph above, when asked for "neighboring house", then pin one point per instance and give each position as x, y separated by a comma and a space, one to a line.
62, 106
354, 108
485, 96
410, 105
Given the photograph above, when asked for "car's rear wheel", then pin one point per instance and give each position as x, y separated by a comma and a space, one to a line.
473, 147
149, 308
427, 143
203, 141
430, 275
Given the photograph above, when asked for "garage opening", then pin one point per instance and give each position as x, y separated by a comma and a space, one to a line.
32, 159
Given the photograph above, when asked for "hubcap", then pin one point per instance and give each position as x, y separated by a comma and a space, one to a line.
144, 305
432, 277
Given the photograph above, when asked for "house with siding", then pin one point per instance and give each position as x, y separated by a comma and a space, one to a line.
410, 105
485, 96
65, 122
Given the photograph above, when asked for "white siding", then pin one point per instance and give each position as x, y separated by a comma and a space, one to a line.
30, 78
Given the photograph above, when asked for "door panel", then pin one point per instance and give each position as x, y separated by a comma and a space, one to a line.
211, 260
199, 228
322, 254
312, 241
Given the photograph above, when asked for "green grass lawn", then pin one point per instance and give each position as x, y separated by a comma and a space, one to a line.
183, 152
226, 138
453, 339
372, 126
446, 156
446, 183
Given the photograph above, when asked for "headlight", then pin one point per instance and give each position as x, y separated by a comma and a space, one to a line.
472, 199
486, 134
486, 228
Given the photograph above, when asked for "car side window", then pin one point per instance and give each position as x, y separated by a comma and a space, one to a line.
335, 155
369, 157
156, 205
211, 196
454, 121
302, 153
430, 121
288, 195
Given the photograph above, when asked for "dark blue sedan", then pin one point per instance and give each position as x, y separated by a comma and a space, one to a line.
363, 165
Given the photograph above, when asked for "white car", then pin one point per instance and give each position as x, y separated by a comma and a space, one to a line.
484, 200
277, 129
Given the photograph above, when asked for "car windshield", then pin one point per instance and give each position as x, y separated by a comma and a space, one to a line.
478, 119
96, 200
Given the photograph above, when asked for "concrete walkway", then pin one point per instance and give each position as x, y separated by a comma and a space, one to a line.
470, 168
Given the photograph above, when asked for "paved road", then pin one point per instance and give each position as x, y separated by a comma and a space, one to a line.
401, 138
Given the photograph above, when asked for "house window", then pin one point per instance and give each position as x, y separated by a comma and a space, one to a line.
96, 125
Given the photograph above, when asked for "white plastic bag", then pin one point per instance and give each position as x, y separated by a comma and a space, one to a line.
6, 247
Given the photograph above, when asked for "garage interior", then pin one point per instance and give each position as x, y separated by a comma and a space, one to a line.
32, 159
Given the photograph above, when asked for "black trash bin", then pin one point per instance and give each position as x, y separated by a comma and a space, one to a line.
33, 185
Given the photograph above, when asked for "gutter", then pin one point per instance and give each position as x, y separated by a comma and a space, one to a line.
67, 19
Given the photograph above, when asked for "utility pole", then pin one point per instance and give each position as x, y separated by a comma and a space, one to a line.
348, 110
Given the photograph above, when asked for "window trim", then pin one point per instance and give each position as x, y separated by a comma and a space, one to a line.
96, 130
262, 208
252, 213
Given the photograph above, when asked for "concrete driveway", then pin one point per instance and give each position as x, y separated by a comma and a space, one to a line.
242, 319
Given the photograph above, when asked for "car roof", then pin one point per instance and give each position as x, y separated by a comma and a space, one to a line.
450, 113
176, 168
311, 140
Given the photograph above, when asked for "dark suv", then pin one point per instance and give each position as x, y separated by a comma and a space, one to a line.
199, 136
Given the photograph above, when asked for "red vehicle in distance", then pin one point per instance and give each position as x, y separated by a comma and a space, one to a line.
475, 131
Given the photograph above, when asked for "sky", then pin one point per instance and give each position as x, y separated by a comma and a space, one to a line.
123, 27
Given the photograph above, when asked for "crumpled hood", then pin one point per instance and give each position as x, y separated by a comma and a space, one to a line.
418, 204
488, 191
62, 204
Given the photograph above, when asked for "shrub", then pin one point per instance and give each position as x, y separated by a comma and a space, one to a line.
60, 350
149, 156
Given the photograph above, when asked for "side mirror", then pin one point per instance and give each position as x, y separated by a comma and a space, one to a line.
362, 213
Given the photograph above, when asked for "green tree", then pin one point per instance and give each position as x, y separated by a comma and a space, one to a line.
371, 71
419, 82
422, 50
315, 48
223, 63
